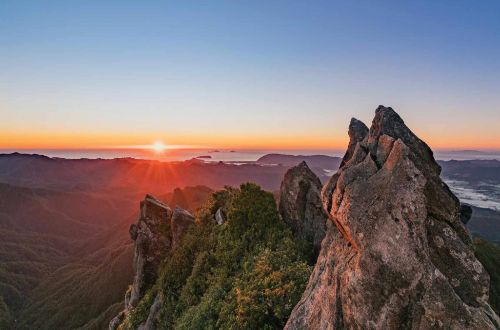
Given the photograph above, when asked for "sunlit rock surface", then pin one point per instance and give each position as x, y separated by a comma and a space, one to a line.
396, 254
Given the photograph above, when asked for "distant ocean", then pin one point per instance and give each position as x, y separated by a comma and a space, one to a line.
220, 154
170, 154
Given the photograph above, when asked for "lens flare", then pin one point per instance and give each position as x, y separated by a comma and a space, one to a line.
158, 146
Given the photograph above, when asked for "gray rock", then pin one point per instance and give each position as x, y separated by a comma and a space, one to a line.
152, 241
357, 133
151, 321
396, 254
220, 217
300, 204
117, 320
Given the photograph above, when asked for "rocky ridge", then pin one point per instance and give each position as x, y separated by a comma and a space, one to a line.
396, 253
157, 231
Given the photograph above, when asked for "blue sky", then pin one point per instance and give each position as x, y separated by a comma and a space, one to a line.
212, 71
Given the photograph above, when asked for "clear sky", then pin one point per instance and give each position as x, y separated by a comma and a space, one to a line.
277, 74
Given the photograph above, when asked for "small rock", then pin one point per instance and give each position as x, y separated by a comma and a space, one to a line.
220, 217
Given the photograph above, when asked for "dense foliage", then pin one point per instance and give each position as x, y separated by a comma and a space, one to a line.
489, 255
5, 316
59, 251
247, 273
45, 285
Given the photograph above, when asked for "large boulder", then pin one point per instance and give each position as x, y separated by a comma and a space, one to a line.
396, 254
300, 204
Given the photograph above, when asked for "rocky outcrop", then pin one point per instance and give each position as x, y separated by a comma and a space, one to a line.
396, 254
300, 204
152, 241
220, 217
117, 320
157, 231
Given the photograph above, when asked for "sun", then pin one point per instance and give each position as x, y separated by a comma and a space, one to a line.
158, 146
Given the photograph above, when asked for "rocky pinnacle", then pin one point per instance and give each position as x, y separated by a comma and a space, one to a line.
157, 232
396, 254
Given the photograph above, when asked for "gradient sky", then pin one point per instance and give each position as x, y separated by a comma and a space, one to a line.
254, 74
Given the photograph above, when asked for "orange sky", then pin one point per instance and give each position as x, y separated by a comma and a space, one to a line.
80, 140
34, 140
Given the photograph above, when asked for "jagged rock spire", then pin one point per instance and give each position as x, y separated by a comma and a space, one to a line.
157, 231
300, 204
396, 254
357, 133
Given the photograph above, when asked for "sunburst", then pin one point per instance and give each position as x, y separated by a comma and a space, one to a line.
158, 146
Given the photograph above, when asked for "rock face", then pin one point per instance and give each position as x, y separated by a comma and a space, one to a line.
396, 254
157, 232
152, 241
300, 204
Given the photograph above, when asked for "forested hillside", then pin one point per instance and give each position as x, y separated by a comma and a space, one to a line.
66, 256
247, 273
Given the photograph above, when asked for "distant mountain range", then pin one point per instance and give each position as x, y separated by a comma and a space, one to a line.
467, 154
314, 161
473, 152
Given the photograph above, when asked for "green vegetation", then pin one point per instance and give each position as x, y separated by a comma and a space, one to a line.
489, 255
248, 273
45, 284
5, 317
80, 292
24, 260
